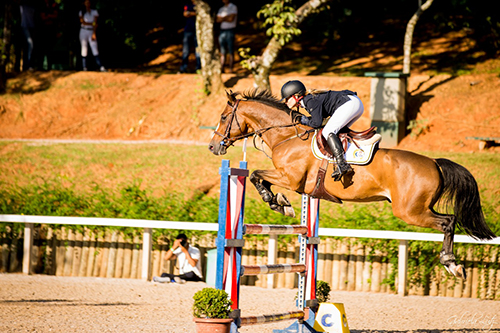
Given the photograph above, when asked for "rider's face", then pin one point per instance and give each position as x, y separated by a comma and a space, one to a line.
291, 102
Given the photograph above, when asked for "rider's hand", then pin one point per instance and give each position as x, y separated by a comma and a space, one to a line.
296, 116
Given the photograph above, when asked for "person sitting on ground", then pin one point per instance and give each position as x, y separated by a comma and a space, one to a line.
188, 259
343, 107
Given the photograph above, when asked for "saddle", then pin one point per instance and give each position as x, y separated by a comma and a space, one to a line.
345, 135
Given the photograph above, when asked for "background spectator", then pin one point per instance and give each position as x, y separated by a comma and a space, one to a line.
27, 8
88, 28
227, 17
189, 40
48, 33
188, 258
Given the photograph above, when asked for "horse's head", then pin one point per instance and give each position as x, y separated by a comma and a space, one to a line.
231, 127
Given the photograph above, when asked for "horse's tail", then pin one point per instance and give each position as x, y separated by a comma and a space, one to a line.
460, 190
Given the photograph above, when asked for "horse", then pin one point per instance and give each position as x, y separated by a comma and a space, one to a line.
411, 182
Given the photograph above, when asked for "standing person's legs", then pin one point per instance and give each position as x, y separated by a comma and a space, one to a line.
223, 48
84, 37
95, 52
185, 52
29, 51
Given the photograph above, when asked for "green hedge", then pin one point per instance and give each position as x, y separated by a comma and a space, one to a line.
52, 199
135, 203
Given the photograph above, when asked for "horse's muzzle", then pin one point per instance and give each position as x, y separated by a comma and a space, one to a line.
217, 148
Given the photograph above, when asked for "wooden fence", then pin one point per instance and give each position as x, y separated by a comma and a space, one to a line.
346, 264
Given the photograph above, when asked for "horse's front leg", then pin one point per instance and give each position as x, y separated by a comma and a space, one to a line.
263, 180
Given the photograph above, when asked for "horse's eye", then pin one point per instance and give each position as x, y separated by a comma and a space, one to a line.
223, 117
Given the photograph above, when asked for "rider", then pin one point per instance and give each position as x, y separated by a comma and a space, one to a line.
343, 107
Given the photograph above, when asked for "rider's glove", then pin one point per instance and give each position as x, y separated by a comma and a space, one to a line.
296, 116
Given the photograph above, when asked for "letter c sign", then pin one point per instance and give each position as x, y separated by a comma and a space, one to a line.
324, 321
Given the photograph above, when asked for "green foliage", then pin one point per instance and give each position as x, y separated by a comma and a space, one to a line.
322, 291
280, 19
373, 216
211, 303
418, 127
248, 61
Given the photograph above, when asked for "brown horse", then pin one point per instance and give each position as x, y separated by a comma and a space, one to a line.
411, 182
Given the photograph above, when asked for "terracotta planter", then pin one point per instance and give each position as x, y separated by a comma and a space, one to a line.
209, 325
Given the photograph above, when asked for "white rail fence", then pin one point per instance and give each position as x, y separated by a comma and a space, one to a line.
148, 225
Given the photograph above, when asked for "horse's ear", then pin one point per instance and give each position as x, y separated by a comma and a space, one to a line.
230, 97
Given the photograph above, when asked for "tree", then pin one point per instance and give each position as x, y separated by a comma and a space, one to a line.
209, 54
284, 24
6, 43
409, 34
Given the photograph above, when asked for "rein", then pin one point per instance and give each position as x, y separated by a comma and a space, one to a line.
228, 141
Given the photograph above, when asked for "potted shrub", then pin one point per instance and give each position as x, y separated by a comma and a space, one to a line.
211, 311
322, 291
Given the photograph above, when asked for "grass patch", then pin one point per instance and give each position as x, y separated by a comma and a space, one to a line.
112, 177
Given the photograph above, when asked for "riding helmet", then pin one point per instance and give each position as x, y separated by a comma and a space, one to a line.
290, 88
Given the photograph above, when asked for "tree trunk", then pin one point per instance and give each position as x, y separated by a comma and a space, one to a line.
209, 54
261, 65
5, 47
409, 34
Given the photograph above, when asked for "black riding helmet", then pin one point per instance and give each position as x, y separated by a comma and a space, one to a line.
290, 88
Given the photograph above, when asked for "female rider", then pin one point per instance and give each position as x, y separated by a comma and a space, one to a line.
343, 107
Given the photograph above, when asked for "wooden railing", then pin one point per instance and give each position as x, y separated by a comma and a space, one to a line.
148, 225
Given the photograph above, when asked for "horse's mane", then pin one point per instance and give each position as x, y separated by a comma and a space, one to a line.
262, 96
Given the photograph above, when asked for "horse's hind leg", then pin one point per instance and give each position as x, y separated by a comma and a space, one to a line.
446, 257
428, 218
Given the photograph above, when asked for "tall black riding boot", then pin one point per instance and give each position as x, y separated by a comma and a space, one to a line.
338, 152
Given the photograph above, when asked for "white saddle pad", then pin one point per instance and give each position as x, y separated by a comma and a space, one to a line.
354, 155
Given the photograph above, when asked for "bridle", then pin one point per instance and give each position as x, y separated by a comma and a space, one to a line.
228, 141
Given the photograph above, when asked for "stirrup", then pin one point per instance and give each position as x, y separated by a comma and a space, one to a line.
338, 174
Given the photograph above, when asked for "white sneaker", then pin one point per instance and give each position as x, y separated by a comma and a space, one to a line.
161, 279
102, 69
179, 280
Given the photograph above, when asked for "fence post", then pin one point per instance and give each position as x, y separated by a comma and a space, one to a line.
272, 254
402, 266
27, 250
146, 253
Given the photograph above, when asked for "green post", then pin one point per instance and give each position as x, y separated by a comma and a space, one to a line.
387, 106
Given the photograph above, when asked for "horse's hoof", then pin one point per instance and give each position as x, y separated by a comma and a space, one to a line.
282, 200
461, 272
288, 211
457, 271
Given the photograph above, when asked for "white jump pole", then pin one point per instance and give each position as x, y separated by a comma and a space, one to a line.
245, 150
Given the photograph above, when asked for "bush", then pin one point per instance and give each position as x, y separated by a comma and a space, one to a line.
211, 303
322, 291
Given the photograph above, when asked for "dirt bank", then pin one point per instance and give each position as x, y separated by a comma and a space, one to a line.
130, 106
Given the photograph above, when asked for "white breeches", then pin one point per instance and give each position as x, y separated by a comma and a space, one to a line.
85, 40
344, 116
